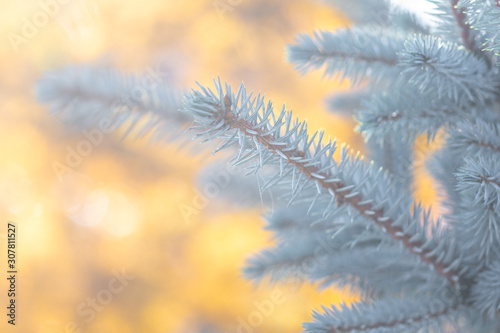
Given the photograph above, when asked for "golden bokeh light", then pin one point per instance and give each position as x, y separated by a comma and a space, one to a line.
117, 209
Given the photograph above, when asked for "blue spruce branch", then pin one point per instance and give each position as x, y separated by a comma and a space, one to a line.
484, 16
87, 96
354, 52
485, 295
351, 182
448, 69
412, 315
452, 23
478, 222
351, 222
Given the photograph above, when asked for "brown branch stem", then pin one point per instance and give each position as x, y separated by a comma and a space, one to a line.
342, 195
460, 17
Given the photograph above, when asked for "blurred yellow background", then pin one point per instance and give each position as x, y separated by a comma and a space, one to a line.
117, 213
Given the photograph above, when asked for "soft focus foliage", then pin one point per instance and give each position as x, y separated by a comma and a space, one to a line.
119, 208
414, 273
338, 219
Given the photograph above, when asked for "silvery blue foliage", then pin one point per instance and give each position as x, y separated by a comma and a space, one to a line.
476, 138
485, 295
365, 229
357, 210
484, 17
352, 221
412, 315
449, 69
407, 112
478, 187
347, 103
352, 52
451, 23
396, 158
88, 96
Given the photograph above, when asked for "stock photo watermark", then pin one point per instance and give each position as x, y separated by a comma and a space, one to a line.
265, 309
445, 299
262, 310
226, 182
92, 305
211, 189
11, 272
88, 310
